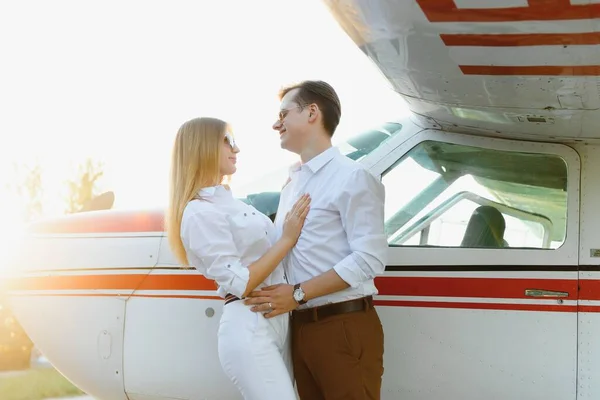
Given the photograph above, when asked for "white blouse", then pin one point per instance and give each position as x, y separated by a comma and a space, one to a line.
223, 235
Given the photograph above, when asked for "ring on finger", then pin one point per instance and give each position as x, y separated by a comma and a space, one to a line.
270, 306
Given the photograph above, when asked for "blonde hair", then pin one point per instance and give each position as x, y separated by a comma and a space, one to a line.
194, 165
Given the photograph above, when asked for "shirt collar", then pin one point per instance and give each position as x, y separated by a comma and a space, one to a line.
318, 162
212, 191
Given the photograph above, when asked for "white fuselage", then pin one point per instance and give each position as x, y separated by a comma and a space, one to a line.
109, 306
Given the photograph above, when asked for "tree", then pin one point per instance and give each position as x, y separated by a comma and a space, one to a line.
84, 187
28, 187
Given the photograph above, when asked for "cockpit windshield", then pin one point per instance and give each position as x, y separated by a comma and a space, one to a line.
366, 142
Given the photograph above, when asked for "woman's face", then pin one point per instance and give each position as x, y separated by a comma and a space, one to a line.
228, 155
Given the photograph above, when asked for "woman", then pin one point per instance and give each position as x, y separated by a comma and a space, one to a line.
234, 244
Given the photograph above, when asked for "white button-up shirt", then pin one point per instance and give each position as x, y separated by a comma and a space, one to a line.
344, 229
223, 235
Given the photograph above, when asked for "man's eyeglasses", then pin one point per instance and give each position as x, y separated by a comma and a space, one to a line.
229, 139
284, 113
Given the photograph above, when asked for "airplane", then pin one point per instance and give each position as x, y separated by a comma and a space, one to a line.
493, 285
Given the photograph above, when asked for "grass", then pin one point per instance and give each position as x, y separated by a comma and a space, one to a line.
36, 384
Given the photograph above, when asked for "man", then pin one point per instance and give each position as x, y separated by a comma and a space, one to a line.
337, 337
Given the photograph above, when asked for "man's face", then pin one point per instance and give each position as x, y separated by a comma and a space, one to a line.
292, 124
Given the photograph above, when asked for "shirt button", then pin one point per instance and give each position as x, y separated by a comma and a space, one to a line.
245, 215
228, 265
253, 213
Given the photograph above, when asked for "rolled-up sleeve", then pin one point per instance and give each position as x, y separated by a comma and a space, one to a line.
361, 208
209, 237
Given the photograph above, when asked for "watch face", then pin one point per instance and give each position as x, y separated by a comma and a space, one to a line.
298, 295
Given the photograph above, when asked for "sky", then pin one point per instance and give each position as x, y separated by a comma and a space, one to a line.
114, 80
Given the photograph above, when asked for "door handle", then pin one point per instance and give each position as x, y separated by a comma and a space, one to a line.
545, 293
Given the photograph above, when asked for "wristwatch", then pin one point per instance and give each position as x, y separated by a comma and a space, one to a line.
299, 294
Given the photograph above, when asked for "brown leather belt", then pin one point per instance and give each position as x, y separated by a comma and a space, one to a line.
329, 310
229, 298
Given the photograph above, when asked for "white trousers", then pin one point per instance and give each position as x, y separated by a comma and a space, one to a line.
255, 353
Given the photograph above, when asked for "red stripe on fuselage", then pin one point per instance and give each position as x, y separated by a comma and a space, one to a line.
426, 287
477, 306
192, 281
111, 221
155, 296
497, 288
589, 289
490, 288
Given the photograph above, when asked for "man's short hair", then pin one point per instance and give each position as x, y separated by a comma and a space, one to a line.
322, 94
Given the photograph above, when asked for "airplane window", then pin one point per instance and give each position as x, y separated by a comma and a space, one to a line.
448, 195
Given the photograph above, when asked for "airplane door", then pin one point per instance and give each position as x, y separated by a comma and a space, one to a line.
479, 299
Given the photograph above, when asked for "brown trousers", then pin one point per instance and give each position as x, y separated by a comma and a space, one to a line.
339, 357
